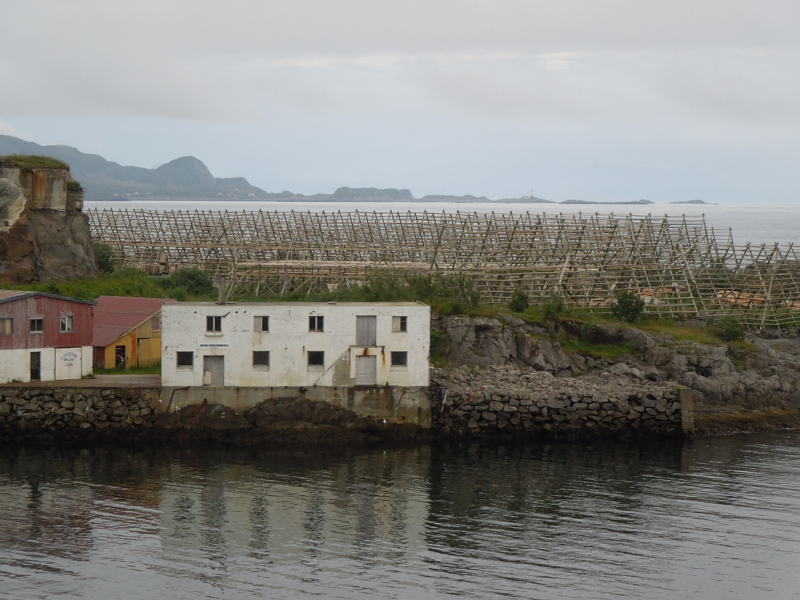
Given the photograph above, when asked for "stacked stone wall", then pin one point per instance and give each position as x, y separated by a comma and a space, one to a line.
509, 400
52, 410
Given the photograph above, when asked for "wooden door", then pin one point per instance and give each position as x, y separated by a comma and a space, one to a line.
366, 370
214, 370
36, 366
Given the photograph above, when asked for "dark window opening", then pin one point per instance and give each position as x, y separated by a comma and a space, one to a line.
262, 323
399, 359
315, 323
214, 324
399, 324
37, 325
260, 358
67, 324
316, 358
185, 359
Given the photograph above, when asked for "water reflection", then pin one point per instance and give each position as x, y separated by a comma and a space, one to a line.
714, 518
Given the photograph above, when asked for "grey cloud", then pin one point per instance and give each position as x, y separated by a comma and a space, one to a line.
519, 60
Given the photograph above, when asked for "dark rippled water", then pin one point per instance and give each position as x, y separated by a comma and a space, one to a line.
716, 518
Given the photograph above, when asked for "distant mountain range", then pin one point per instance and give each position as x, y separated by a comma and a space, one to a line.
187, 178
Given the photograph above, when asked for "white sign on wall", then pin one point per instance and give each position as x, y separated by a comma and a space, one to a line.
216, 343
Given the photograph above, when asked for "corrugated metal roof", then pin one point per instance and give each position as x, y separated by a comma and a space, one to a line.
114, 316
9, 295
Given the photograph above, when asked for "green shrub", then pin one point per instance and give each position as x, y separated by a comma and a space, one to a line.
179, 293
628, 307
554, 308
729, 329
437, 341
104, 255
519, 301
74, 186
194, 281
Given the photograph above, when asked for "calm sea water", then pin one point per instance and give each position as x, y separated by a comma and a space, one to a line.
716, 518
755, 223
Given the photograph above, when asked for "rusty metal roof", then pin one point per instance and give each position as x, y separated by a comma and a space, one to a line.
114, 316
9, 295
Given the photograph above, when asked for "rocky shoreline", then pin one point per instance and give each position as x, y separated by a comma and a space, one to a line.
745, 387
513, 379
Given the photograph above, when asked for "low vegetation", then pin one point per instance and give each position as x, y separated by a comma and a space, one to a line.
24, 161
187, 284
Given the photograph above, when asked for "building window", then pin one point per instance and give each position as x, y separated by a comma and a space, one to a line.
67, 324
399, 324
156, 323
260, 359
185, 359
315, 324
214, 324
37, 325
399, 359
261, 323
316, 358
6, 326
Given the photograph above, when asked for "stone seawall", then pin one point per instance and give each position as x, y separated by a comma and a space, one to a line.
54, 409
508, 400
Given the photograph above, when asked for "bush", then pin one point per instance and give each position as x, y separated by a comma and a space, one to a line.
628, 307
729, 329
179, 293
104, 255
554, 308
519, 301
194, 281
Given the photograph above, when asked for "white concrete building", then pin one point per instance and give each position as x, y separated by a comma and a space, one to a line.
295, 344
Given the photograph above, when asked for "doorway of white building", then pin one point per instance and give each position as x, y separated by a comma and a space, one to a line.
366, 370
214, 370
36, 366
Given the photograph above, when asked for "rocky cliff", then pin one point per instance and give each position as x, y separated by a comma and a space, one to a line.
43, 232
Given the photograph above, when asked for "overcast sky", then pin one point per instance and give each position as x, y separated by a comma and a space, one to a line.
600, 100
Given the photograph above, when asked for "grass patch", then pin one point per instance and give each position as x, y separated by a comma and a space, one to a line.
24, 161
123, 282
575, 346
680, 332
139, 370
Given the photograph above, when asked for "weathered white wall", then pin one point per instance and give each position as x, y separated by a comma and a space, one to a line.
289, 340
15, 365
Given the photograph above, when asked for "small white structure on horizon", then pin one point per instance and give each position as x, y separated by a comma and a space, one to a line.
295, 344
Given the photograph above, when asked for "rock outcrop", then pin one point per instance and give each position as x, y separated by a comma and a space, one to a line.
43, 232
484, 341
505, 353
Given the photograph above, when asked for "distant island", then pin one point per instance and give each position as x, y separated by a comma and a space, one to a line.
188, 178
592, 202
692, 202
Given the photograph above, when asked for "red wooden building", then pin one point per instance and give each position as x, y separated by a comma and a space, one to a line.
44, 337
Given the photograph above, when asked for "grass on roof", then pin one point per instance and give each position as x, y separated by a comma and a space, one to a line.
24, 161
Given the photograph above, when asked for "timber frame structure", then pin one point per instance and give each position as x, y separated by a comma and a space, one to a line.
677, 265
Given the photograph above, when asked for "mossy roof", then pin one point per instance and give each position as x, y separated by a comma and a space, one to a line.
24, 161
